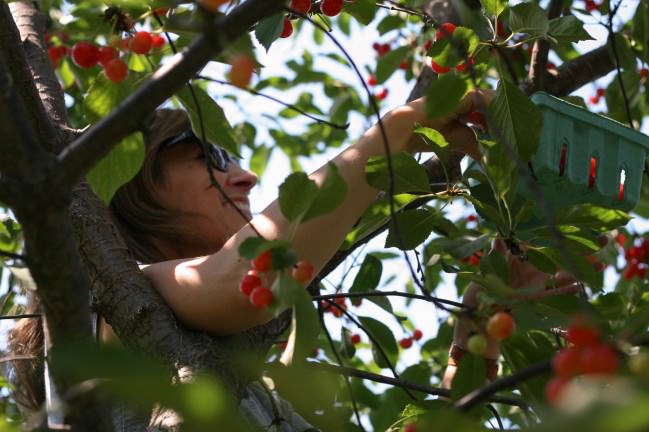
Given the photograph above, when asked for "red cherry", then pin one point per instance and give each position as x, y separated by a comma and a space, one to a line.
599, 360
248, 283
241, 71
592, 173
591, 5
404, 65
562, 160
620, 239
644, 73
581, 333
472, 218
141, 43
355, 339
371, 80
56, 53
85, 54
600, 92
325, 306
428, 44
500, 326
161, 11
439, 69
417, 334
116, 70
462, 66
260, 297
553, 389
106, 54
340, 301
409, 427
303, 271
567, 362
357, 301
287, 30
263, 262
551, 65
337, 311
382, 94
474, 260
331, 7
301, 6
593, 100
445, 29
478, 119
501, 30
157, 41
405, 343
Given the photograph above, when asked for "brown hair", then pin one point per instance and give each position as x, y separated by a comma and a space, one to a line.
138, 212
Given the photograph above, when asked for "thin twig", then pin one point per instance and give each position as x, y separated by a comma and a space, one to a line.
16, 317
274, 99
611, 35
340, 363
392, 293
482, 394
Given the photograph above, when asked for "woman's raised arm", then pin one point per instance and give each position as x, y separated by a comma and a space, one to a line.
204, 292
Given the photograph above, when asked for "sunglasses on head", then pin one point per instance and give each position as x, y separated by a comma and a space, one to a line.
220, 157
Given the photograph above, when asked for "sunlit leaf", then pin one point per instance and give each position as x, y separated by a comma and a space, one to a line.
384, 338
362, 10
528, 18
269, 29
390, 62
304, 329
494, 7
444, 95
568, 29
412, 228
409, 176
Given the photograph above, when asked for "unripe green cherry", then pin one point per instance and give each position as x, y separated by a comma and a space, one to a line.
477, 344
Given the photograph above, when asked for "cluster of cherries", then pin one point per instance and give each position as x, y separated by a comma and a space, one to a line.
329, 8
586, 354
637, 257
406, 342
86, 54
445, 30
253, 286
599, 93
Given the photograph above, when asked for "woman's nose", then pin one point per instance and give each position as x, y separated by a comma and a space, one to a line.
241, 177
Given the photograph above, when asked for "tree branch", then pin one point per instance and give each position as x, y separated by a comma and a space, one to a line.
14, 52
32, 25
484, 393
582, 70
93, 145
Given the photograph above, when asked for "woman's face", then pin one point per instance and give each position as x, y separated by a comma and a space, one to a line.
186, 187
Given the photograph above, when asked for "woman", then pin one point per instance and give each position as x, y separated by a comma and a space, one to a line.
186, 233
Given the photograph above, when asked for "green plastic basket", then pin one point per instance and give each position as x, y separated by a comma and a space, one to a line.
584, 157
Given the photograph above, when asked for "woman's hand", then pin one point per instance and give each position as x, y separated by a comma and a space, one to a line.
453, 126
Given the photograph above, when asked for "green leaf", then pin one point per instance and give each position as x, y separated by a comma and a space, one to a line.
409, 176
450, 51
640, 30
470, 375
382, 336
390, 62
593, 217
362, 10
118, 167
444, 95
305, 327
377, 215
389, 23
269, 29
500, 168
296, 194
330, 194
494, 7
214, 125
414, 227
518, 120
253, 246
434, 139
567, 29
463, 246
528, 18
368, 276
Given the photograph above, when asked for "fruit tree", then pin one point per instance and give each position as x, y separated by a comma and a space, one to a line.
78, 78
